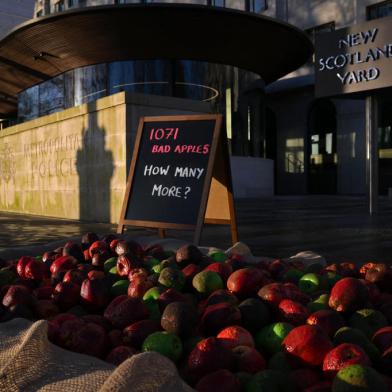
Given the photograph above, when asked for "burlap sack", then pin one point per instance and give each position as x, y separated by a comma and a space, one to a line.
29, 362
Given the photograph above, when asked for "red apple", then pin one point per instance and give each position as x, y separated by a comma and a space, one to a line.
306, 345
124, 311
44, 309
169, 296
49, 257
65, 331
135, 334
90, 339
234, 336
62, 317
219, 296
36, 270
189, 272
86, 255
99, 259
348, 269
208, 356
97, 319
75, 276
274, 293
43, 292
137, 289
113, 244
277, 268
246, 282
248, 359
131, 248
373, 291
21, 265
345, 354
216, 317
17, 295
63, 263
382, 338
95, 293
328, 320
74, 250
88, 239
224, 270
386, 361
188, 254
94, 274
126, 263
293, 312
137, 274
348, 295
98, 247
66, 294
381, 275
365, 267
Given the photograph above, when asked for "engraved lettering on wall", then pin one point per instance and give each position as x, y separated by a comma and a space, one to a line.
7, 163
53, 157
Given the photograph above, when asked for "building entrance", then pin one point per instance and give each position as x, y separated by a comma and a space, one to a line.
322, 158
385, 144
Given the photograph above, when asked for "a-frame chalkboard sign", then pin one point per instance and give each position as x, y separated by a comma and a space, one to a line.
179, 176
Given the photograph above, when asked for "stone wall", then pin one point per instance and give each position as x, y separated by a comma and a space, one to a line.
69, 164
73, 164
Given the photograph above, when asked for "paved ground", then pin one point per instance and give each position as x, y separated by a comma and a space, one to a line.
336, 227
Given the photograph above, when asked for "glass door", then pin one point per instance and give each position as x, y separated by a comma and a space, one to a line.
322, 148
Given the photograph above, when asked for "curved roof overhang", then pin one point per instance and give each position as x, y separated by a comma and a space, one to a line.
48, 46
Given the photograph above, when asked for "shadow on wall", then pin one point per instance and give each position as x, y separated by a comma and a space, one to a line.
95, 169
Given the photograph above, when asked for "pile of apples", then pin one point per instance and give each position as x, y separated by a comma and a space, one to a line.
228, 325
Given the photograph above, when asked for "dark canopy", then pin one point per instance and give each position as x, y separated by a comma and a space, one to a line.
46, 47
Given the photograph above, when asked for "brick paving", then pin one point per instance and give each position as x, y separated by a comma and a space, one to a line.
336, 227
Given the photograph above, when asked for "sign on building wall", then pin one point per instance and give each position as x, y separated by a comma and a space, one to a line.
353, 59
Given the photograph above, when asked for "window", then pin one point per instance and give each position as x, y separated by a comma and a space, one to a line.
218, 3
47, 7
379, 10
257, 5
70, 3
119, 1
39, 13
59, 6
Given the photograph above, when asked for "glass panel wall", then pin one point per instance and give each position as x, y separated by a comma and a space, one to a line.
219, 85
28, 104
51, 95
385, 144
90, 83
144, 77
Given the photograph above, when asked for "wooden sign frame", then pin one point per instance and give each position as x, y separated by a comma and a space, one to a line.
223, 197
218, 140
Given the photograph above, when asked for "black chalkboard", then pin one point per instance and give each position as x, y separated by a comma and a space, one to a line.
170, 171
